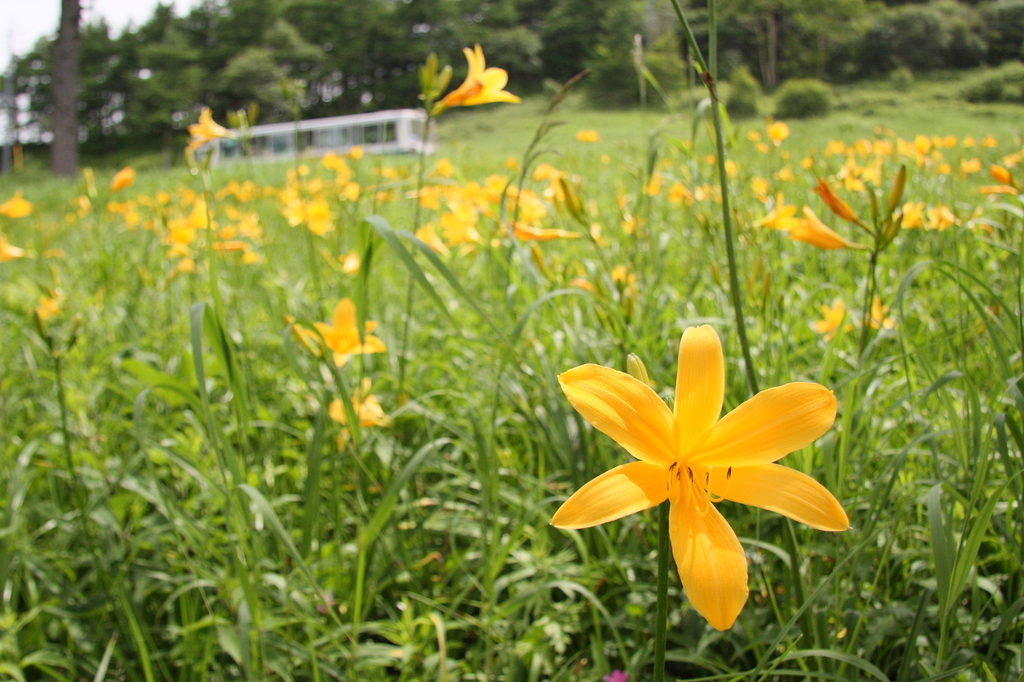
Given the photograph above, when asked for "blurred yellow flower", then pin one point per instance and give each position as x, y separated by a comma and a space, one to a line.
342, 336
445, 168
205, 131
482, 86
879, 312
9, 252
16, 206
123, 179
428, 235
970, 166
366, 408
988, 141
781, 217
588, 136
940, 218
355, 153
350, 263
535, 234
913, 215
832, 319
695, 460
364, 404
777, 132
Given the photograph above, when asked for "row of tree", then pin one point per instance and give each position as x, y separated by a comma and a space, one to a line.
146, 83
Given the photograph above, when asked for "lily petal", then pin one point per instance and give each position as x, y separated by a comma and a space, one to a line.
622, 491
767, 427
785, 491
625, 409
344, 314
710, 561
700, 384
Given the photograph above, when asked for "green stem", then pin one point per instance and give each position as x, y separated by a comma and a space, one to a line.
869, 295
723, 179
661, 614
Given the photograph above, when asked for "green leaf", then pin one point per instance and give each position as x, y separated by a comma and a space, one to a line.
385, 230
855, 661
942, 547
169, 389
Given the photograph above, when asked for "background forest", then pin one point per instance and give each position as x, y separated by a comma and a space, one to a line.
142, 87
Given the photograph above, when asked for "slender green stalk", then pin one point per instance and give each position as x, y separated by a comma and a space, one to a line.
708, 76
869, 296
218, 305
661, 614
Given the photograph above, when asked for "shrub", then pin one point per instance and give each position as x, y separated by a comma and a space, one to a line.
902, 78
1004, 84
803, 98
744, 92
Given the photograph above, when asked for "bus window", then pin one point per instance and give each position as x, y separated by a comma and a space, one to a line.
279, 144
371, 134
327, 138
389, 132
259, 145
355, 135
306, 139
230, 148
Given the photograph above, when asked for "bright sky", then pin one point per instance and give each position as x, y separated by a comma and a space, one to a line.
23, 22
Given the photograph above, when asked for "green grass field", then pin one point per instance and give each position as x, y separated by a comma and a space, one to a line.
180, 502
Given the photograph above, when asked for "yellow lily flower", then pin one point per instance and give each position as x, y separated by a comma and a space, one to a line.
16, 206
364, 404
832, 318
482, 86
782, 217
366, 407
695, 460
816, 233
206, 130
342, 336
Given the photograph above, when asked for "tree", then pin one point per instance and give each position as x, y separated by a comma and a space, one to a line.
67, 52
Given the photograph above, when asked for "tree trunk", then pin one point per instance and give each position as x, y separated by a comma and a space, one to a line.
67, 54
771, 68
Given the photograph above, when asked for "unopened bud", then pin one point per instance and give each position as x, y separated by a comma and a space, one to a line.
635, 368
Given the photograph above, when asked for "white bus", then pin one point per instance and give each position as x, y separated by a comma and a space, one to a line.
395, 131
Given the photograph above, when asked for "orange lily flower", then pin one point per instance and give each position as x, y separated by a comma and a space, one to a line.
816, 233
835, 204
123, 179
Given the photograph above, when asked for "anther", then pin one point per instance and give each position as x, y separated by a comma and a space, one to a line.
728, 473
